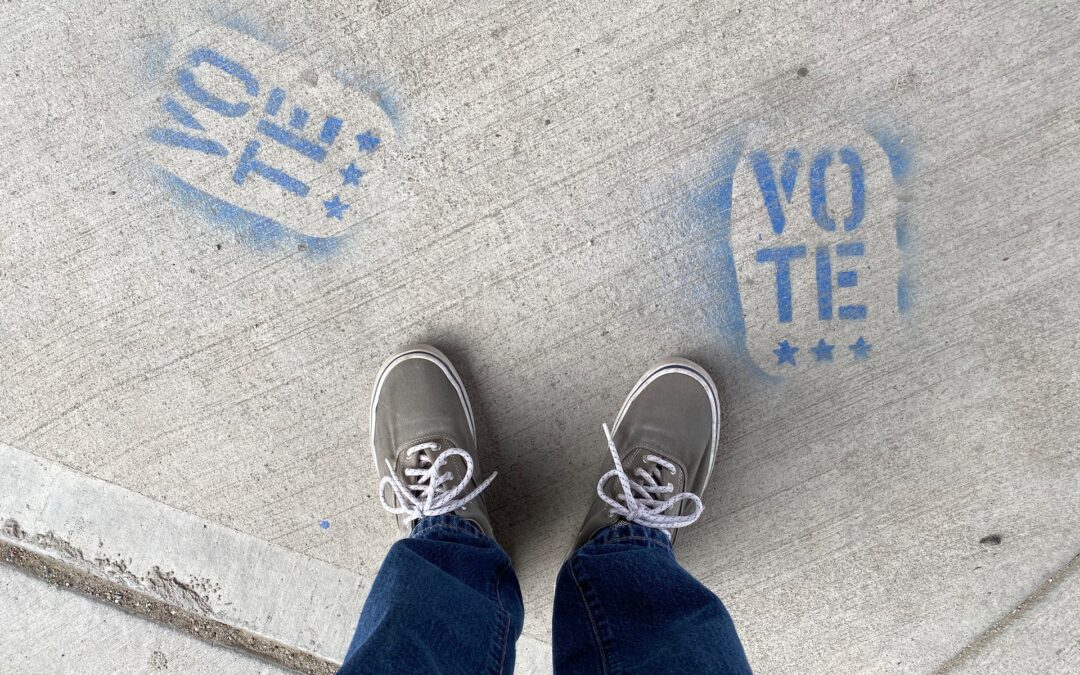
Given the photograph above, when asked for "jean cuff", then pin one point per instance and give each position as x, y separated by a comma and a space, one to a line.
449, 522
631, 533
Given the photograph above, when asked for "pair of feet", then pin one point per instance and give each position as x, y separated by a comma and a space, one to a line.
424, 440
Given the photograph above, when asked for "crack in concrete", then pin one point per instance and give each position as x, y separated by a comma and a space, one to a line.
983, 639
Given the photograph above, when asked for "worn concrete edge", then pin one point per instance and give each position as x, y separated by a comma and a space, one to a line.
183, 560
105, 536
533, 655
109, 537
55, 571
986, 637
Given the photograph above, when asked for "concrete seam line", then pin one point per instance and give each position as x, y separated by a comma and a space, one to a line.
983, 639
69, 577
185, 561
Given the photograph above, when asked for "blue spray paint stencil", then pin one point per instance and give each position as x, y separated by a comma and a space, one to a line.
812, 249
263, 146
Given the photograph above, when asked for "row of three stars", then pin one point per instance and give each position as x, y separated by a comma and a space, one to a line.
785, 351
335, 208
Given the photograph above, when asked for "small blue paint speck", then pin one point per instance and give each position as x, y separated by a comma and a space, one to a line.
324, 524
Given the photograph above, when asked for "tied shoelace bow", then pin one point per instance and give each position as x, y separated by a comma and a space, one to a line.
426, 495
644, 502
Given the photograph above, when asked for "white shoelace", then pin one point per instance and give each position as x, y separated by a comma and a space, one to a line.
644, 503
426, 496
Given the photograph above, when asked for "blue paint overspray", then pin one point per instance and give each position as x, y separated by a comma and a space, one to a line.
379, 90
258, 231
834, 263
155, 57
187, 125
898, 147
710, 211
248, 24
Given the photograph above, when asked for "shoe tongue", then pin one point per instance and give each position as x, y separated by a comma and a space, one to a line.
425, 458
414, 460
653, 468
657, 472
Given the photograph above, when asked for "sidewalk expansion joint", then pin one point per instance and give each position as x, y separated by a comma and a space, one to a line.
67, 576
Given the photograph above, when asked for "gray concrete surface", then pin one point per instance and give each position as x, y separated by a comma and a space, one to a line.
190, 565
561, 194
1041, 635
50, 630
139, 555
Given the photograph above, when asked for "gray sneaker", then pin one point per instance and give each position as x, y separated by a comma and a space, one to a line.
424, 440
663, 445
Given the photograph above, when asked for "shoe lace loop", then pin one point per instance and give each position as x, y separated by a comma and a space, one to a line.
423, 493
642, 500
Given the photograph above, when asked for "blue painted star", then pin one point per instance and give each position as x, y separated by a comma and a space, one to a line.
785, 353
823, 351
335, 208
367, 141
861, 349
351, 174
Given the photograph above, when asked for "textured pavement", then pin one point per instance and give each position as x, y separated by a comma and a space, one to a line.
219, 220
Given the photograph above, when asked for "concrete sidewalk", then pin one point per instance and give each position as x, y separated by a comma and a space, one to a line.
219, 219
54, 631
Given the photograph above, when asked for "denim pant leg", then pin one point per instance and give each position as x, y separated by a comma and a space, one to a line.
446, 601
623, 605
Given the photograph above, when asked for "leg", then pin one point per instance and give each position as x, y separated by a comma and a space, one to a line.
622, 602
624, 605
446, 600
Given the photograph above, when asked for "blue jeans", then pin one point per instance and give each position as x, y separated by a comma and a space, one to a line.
446, 601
